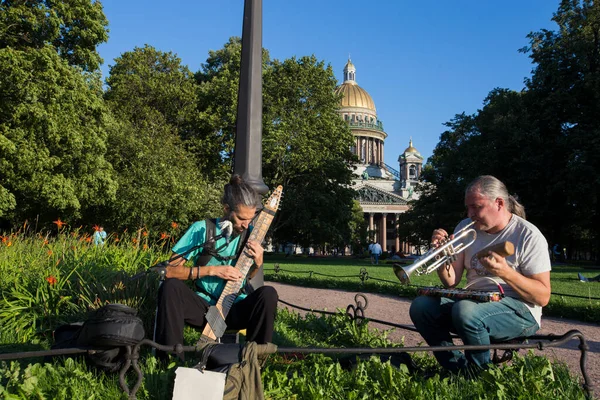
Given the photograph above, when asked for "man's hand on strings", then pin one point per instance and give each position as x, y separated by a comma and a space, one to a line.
255, 251
495, 264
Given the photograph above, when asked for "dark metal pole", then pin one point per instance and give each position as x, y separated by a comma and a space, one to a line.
248, 140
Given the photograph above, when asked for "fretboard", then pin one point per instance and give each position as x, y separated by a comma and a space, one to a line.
243, 264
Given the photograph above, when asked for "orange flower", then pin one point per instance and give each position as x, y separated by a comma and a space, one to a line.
134, 240
4, 239
174, 225
145, 247
49, 252
51, 280
9, 244
88, 239
59, 223
116, 239
145, 233
96, 228
164, 236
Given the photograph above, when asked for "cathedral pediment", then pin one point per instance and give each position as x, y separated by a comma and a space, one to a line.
368, 194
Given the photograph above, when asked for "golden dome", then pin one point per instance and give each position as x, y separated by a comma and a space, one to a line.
354, 96
410, 148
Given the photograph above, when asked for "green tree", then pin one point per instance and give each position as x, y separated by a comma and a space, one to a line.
146, 81
300, 121
73, 27
158, 179
358, 229
566, 86
218, 85
52, 138
154, 99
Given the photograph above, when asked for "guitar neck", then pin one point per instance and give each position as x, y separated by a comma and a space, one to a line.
244, 263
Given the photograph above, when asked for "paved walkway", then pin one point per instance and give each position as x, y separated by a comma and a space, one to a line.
395, 309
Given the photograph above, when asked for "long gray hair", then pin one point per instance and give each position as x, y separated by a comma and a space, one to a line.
239, 193
492, 188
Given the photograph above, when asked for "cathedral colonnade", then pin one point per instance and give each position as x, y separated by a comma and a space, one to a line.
383, 228
369, 150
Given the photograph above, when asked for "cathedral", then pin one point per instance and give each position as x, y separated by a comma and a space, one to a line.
383, 191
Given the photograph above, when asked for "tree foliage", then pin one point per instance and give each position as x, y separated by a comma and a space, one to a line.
52, 137
218, 84
73, 27
300, 122
52, 116
154, 99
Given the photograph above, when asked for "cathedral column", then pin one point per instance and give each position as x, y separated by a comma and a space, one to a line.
381, 152
384, 232
397, 247
370, 224
374, 151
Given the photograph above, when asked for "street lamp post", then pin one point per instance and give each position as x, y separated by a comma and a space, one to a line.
248, 140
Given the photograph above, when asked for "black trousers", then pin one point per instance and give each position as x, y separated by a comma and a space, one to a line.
179, 305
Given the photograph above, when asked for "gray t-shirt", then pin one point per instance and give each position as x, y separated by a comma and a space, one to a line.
531, 257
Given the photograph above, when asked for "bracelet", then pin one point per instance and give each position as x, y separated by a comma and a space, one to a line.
190, 274
197, 272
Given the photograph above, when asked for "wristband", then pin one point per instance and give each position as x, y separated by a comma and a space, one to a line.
197, 272
190, 274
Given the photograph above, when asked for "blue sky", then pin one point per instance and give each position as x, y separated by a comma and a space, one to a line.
421, 62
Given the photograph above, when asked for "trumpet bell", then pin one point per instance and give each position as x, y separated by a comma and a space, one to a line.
401, 274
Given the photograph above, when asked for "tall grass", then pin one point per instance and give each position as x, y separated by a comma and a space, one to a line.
50, 280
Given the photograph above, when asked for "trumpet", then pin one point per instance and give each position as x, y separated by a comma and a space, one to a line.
436, 257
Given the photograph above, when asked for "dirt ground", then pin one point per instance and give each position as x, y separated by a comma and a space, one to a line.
395, 309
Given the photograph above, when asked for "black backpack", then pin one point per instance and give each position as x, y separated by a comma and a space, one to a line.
110, 328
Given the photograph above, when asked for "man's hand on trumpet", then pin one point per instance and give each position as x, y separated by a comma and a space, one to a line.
439, 236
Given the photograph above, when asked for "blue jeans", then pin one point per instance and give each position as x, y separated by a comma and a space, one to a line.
376, 258
476, 323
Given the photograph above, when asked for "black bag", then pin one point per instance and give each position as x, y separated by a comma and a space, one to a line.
110, 329
242, 365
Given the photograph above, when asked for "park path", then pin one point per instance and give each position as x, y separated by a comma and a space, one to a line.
395, 309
